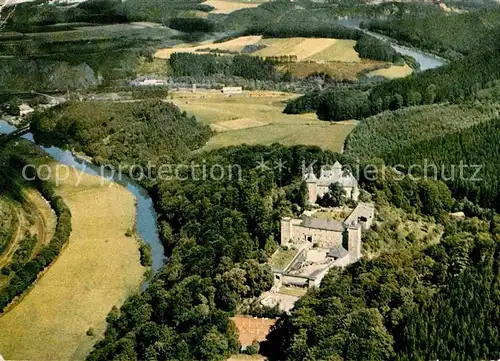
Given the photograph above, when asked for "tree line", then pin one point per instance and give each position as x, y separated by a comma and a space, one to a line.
244, 66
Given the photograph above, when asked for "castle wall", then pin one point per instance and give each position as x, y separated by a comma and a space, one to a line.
286, 231
323, 238
354, 243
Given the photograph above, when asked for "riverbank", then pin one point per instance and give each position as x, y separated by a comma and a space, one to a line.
98, 269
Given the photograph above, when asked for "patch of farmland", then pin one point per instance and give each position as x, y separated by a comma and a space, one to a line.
395, 71
302, 48
340, 50
229, 6
242, 123
234, 45
257, 118
310, 49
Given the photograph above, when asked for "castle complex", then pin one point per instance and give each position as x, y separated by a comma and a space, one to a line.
342, 239
318, 187
322, 237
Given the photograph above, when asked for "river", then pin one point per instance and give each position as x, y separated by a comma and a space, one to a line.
426, 60
146, 218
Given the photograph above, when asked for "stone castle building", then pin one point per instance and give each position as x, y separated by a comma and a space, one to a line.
318, 187
342, 239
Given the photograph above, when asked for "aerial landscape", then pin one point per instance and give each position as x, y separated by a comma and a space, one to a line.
279, 180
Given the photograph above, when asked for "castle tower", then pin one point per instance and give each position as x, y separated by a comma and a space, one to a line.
354, 241
312, 186
331, 173
286, 231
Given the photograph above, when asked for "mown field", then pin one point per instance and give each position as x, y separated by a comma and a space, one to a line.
395, 71
229, 6
313, 49
257, 118
96, 271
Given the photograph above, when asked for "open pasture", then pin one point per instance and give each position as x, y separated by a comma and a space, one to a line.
97, 269
257, 118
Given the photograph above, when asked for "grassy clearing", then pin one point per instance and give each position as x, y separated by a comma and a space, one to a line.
395, 230
282, 258
395, 71
97, 270
333, 215
257, 118
293, 291
229, 6
328, 135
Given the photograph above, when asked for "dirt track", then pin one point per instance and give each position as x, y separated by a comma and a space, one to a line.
43, 226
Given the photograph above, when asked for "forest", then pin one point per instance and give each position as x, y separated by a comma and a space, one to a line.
450, 35
441, 139
123, 133
201, 65
218, 234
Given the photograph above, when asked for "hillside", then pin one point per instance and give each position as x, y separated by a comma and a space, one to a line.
123, 133
456, 82
382, 134
449, 35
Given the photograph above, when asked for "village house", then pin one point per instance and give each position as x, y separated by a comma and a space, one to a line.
232, 90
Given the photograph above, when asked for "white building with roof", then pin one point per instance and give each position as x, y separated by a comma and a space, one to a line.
318, 187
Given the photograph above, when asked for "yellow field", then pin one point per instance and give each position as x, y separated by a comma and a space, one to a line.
394, 71
235, 45
257, 118
311, 49
98, 269
228, 6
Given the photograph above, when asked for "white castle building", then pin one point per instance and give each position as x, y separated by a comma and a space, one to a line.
318, 187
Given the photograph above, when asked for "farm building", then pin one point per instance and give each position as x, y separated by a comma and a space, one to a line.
232, 90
